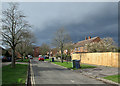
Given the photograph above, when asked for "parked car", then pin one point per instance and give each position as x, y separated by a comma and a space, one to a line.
39, 55
19, 57
47, 57
8, 59
29, 56
5, 59
41, 58
44, 57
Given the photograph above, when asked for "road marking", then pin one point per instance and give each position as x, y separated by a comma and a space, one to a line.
72, 81
32, 75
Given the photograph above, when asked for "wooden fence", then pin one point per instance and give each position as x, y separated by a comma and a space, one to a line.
106, 59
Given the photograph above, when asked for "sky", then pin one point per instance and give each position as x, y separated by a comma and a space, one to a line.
79, 19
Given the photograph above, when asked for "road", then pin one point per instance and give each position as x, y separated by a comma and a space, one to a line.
47, 73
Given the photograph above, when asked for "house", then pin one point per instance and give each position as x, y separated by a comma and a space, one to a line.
80, 46
36, 51
5, 52
2, 50
52, 52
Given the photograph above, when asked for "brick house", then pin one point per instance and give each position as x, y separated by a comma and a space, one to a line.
8, 52
52, 52
79, 46
36, 51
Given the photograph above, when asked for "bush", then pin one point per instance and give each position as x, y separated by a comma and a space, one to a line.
67, 57
105, 45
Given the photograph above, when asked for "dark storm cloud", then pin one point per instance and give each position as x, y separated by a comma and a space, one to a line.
79, 19
101, 21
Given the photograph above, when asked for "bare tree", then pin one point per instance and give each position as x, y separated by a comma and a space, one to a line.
61, 37
105, 45
44, 48
68, 47
14, 26
25, 47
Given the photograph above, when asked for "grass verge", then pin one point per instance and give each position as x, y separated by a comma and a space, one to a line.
24, 60
47, 59
69, 65
114, 78
15, 75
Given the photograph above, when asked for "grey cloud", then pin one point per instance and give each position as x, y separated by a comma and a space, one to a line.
79, 19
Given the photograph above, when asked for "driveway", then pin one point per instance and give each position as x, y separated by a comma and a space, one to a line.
47, 73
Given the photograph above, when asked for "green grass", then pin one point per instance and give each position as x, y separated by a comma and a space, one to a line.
114, 78
24, 60
15, 75
47, 59
69, 65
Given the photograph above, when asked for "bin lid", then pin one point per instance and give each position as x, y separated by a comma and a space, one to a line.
77, 60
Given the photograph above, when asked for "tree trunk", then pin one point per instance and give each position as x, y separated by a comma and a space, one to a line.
67, 57
21, 57
61, 55
13, 58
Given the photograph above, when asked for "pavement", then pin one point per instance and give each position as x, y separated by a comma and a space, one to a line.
47, 73
99, 71
7, 63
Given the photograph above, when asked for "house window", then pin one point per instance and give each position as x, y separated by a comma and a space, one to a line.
79, 48
75, 49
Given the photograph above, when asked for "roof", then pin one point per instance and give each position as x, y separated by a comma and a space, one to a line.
82, 43
2, 47
36, 47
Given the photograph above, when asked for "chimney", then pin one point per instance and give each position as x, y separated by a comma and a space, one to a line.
89, 37
85, 38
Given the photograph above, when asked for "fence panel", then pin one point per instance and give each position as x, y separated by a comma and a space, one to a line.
106, 58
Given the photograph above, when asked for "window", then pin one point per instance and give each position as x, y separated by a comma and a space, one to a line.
79, 48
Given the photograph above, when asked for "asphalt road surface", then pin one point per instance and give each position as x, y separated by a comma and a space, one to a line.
47, 73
